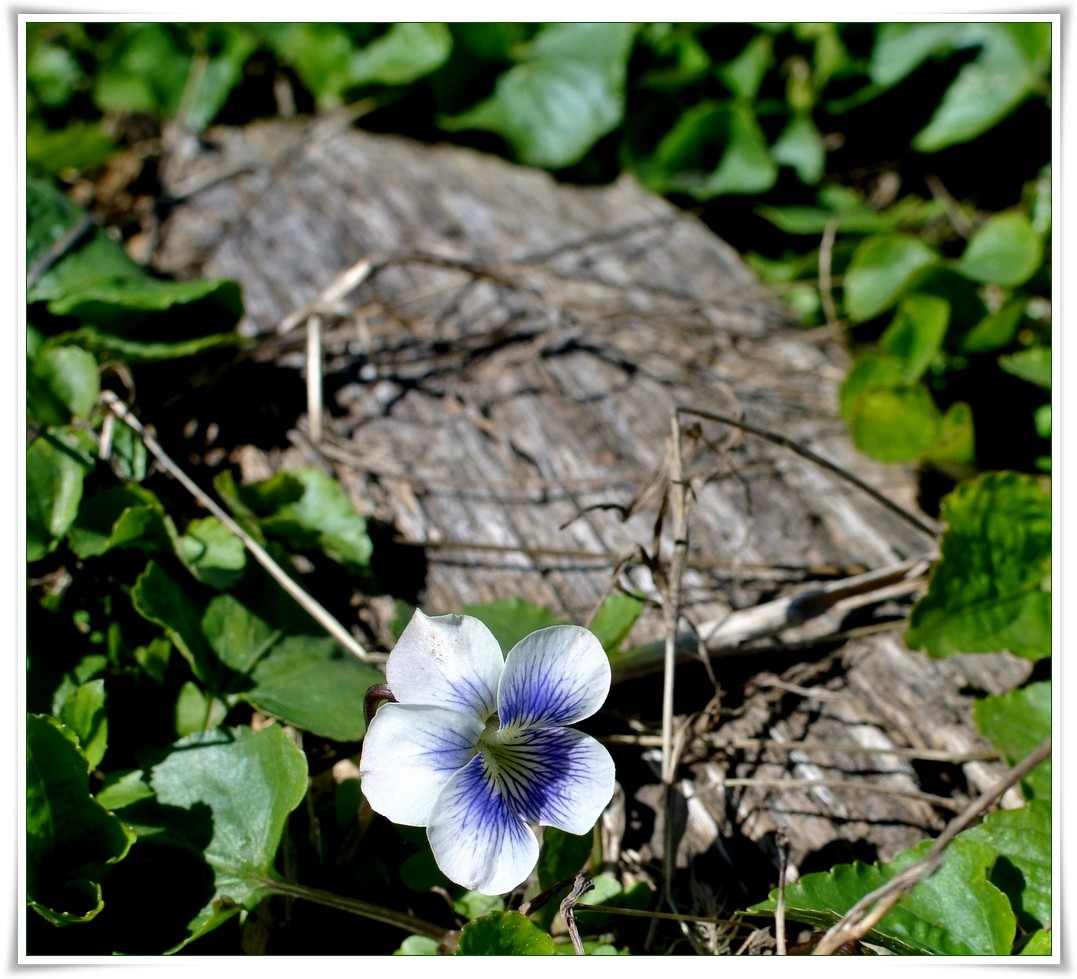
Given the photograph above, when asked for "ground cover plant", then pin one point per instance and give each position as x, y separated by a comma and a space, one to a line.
192, 704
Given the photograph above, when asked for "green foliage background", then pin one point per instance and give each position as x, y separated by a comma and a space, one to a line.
889, 180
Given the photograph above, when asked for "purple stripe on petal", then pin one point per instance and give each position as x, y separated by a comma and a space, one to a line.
477, 839
558, 675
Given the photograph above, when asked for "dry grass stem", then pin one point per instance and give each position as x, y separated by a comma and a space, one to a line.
923, 524
306, 602
863, 916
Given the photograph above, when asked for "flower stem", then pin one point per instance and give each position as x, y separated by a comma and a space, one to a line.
417, 926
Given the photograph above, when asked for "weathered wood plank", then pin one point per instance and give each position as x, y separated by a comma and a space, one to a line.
500, 389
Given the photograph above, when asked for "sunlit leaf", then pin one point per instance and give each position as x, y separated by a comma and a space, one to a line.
800, 146
262, 651
1016, 723
407, 51
916, 334
511, 619
990, 589
61, 383
566, 93
83, 712
880, 272
214, 554
304, 509
957, 911
220, 799
1022, 838
504, 933
614, 620
1005, 250
1032, 364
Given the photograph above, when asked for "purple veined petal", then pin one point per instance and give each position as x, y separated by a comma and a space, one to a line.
409, 753
450, 661
554, 776
476, 838
558, 675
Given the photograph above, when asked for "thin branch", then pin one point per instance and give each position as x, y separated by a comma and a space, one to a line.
858, 921
406, 922
779, 911
717, 742
840, 785
726, 636
309, 604
581, 886
929, 528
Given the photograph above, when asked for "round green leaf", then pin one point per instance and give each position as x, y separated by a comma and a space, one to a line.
1005, 250
895, 424
880, 272
504, 933
224, 796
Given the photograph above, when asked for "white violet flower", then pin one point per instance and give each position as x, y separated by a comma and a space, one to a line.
476, 745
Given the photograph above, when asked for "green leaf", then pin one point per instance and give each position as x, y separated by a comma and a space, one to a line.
213, 553
744, 74
880, 272
261, 651
1032, 364
1005, 250
1016, 723
562, 855
472, 904
222, 798
56, 463
320, 53
888, 419
730, 129
70, 838
83, 712
1039, 943
121, 516
1022, 838
614, 620
146, 72
124, 311
418, 945
566, 93
405, 53
800, 146
996, 330
223, 50
916, 333
990, 589
61, 383
954, 448
957, 911
511, 619
195, 711
984, 92
304, 509
504, 933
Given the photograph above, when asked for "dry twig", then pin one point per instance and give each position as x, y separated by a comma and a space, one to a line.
863, 916
306, 602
